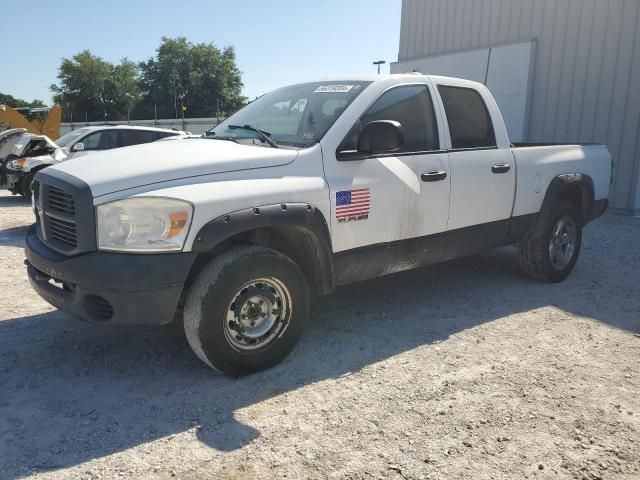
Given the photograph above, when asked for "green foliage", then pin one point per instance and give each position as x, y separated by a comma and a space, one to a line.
199, 76
90, 84
12, 101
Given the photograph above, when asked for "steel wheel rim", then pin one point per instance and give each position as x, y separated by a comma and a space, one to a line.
257, 314
562, 244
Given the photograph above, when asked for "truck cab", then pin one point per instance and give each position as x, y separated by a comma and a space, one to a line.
310, 187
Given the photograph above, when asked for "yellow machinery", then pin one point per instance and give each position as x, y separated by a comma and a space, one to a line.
45, 121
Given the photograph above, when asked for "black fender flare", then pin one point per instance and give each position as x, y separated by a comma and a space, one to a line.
303, 216
557, 188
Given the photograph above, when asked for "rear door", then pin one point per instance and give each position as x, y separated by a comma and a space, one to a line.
482, 170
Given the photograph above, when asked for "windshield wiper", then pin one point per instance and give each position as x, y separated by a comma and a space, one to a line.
212, 136
264, 136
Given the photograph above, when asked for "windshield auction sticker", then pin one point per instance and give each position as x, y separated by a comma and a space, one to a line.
333, 89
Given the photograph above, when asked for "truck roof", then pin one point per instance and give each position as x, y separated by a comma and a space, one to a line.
400, 77
131, 127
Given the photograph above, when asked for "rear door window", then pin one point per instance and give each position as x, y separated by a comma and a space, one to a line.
159, 135
470, 124
136, 137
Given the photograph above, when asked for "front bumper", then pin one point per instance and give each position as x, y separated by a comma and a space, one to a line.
11, 179
119, 288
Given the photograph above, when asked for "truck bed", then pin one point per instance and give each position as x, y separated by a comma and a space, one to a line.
538, 163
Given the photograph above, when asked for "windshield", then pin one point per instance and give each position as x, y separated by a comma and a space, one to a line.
298, 115
65, 140
21, 143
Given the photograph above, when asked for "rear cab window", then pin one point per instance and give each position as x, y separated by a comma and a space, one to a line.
469, 120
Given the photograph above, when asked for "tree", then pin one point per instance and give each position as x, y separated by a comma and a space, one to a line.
89, 85
126, 86
199, 76
6, 99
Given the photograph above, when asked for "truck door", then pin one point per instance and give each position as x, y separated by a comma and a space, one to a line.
482, 171
395, 204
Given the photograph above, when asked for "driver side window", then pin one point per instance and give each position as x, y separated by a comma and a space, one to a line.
411, 106
102, 140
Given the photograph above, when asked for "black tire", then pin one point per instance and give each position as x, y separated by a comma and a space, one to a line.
212, 299
25, 187
535, 253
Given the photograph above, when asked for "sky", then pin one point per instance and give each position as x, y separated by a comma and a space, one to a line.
277, 42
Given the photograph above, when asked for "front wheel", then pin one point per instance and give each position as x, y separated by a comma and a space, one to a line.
27, 182
551, 256
246, 310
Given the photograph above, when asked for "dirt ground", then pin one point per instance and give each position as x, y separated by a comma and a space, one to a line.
466, 370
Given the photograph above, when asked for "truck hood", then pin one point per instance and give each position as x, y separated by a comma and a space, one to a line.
30, 143
130, 167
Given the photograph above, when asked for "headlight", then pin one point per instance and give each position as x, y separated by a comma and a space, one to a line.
17, 164
144, 224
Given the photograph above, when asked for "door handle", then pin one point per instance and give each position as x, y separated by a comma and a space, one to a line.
501, 168
434, 176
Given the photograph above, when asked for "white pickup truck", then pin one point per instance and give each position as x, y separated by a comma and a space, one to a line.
310, 187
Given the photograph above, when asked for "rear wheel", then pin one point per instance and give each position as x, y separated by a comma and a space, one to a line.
551, 255
246, 310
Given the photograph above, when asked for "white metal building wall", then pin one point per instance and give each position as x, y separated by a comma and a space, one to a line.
586, 75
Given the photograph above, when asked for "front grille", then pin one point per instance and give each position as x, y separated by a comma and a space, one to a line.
61, 201
36, 192
63, 231
64, 212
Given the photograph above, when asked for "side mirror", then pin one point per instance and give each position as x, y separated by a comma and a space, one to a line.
78, 147
380, 136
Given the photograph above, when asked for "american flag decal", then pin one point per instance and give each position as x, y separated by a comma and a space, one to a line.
352, 203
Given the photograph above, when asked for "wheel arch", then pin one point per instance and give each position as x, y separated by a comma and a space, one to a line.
31, 174
575, 188
298, 230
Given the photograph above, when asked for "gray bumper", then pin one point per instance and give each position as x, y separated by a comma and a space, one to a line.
117, 288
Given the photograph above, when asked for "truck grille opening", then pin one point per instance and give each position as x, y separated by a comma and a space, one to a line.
63, 231
65, 216
61, 201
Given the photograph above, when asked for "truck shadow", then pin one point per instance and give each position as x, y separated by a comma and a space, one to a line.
13, 236
73, 392
13, 201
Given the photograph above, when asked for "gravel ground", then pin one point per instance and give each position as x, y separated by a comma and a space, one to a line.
466, 370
